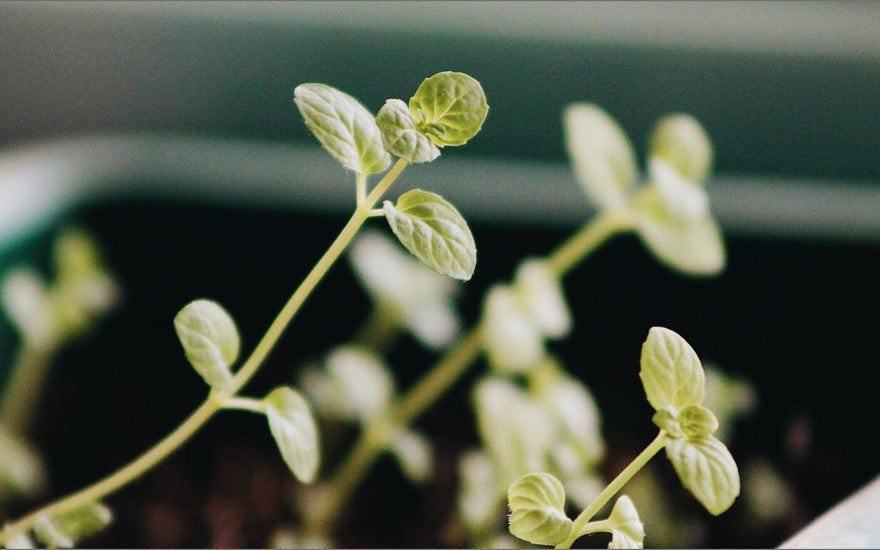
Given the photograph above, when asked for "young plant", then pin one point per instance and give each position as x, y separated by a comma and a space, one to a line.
47, 314
674, 383
447, 109
555, 421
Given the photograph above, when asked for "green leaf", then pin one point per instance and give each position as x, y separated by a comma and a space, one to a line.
683, 143
65, 529
537, 509
345, 128
601, 154
434, 232
673, 219
695, 248
400, 136
294, 430
706, 469
414, 454
627, 530
210, 340
449, 108
670, 371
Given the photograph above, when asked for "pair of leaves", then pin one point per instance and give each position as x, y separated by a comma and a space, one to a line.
211, 343
674, 383
680, 159
448, 108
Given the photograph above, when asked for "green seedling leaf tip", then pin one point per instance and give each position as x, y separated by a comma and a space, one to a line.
345, 128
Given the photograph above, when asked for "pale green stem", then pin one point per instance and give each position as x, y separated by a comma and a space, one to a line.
600, 526
25, 385
321, 518
380, 330
245, 404
616, 485
214, 403
361, 189
592, 234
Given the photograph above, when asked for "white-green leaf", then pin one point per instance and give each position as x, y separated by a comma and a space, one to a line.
210, 340
601, 154
478, 495
673, 219
345, 128
400, 136
541, 294
537, 509
414, 454
355, 384
695, 248
683, 143
449, 108
512, 342
707, 469
294, 430
671, 372
434, 232
627, 530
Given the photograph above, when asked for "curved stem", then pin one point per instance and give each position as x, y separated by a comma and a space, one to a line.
213, 404
592, 234
376, 436
616, 485
323, 516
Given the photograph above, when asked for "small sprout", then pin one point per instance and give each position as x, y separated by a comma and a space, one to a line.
294, 430
434, 232
537, 509
674, 381
345, 128
210, 340
449, 108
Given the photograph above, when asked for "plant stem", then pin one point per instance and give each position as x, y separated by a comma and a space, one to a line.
25, 386
321, 519
377, 435
213, 404
616, 485
577, 247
